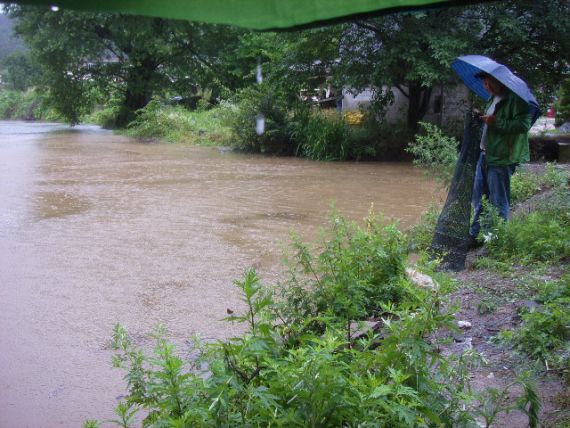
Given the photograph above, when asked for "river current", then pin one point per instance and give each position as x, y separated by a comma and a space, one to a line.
98, 229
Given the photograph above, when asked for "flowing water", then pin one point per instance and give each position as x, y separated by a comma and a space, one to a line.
97, 229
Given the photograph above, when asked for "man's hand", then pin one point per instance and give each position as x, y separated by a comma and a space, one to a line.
490, 119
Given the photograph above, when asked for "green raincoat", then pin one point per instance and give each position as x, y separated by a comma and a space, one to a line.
507, 140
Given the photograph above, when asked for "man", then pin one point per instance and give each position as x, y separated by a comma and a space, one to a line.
504, 145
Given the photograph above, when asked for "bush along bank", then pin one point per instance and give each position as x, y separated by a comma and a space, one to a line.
300, 130
347, 339
176, 124
28, 105
295, 128
517, 295
289, 128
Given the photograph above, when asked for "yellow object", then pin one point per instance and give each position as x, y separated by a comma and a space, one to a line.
354, 117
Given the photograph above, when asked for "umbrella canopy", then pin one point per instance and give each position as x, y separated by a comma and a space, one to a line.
467, 67
254, 14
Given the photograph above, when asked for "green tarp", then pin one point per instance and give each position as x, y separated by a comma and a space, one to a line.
254, 14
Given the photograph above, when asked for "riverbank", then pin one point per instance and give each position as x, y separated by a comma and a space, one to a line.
345, 329
493, 303
28, 105
509, 311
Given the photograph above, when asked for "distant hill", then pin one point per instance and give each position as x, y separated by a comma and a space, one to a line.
8, 43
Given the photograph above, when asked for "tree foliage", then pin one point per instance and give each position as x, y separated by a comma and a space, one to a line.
532, 38
20, 72
563, 105
131, 57
413, 52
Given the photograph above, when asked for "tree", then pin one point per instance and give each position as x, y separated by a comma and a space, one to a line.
83, 55
411, 52
20, 72
563, 105
532, 37
414, 51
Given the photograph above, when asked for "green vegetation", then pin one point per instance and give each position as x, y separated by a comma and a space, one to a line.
524, 250
122, 62
307, 359
540, 241
494, 401
177, 124
325, 135
29, 105
431, 153
322, 136
421, 234
540, 236
544, 334
19, 72
8, 43
435, 152
563, 104
525, 184
308, 132
260, 102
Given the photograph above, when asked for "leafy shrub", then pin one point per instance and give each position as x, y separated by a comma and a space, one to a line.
389, 377
525, 184
254, 103
545, 331
176, 124
420, 236
533, 238
435, 151
320, 136
353, 275
104, 117
295, 128
29, 105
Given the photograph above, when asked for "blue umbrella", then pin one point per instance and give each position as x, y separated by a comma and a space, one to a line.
468, 66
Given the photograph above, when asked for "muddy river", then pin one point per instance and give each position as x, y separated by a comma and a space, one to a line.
97, 229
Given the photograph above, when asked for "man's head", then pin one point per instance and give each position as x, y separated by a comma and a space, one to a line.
492, 85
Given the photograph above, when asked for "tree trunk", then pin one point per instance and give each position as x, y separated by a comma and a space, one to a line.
418, 103
139, 91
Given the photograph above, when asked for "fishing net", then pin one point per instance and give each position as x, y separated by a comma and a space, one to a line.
451, 239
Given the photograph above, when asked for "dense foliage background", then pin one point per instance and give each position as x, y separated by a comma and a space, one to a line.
122, 62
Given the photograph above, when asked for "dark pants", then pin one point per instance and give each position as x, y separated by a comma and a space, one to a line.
494, 182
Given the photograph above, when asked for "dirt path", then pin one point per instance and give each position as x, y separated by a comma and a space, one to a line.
492, 303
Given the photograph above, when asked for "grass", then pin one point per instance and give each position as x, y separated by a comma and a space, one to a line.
175, 124
28, 105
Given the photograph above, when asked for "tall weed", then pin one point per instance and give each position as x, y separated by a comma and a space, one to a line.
525, 184
321, 137
435, 151
325, 135
391, 376
420, 236
540, 236
545, 331
176, 124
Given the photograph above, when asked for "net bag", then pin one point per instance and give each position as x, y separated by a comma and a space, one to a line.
451, 239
